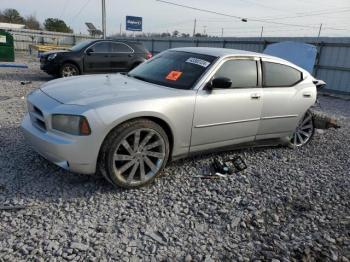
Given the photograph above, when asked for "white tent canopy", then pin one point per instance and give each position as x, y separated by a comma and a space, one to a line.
11, 26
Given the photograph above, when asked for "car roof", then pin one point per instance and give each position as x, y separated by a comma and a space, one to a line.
118, 40
213, 51
224, 52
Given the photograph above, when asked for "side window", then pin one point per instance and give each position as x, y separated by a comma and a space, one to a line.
243, 73
278, 75
102, 47
120, 48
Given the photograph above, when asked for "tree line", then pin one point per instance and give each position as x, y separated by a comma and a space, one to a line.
31, 22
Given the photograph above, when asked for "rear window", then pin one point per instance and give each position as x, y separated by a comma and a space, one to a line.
278, 75
174, 69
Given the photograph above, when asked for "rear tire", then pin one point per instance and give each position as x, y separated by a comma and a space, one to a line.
304, 131
69, 69
134, 153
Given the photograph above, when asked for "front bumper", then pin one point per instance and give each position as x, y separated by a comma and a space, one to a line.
50, 67
63, 152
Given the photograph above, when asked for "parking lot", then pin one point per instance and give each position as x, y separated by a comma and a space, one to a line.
288, 205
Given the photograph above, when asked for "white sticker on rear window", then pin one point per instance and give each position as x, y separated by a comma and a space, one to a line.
197, 61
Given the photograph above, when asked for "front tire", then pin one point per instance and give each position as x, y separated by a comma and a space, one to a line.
69, 69
135, 153
304, 131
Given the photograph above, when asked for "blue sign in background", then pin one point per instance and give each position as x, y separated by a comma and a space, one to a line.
133, 23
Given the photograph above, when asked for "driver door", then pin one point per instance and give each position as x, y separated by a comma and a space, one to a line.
232, 115
97, 58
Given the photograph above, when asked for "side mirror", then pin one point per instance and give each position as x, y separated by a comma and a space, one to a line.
89, 51
221, 82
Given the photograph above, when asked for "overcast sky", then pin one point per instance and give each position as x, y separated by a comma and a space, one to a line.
160, 17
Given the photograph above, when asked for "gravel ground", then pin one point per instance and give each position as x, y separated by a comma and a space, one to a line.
289, 205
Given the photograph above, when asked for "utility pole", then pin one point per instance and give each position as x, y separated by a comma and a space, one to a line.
204, 29
222, 32
262, 31
319, 31
194, 27
104, 18
120, 29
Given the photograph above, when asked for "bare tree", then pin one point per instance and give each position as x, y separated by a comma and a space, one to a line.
32, 23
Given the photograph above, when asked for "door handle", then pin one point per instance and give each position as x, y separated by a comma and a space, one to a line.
255, 96
306, 94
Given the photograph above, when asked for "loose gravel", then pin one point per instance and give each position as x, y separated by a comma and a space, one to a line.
289, 205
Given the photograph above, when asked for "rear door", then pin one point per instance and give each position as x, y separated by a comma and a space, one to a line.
231, 115
120, 57
98, 60
286, 99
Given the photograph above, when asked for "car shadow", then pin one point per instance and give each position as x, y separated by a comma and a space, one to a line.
27, 176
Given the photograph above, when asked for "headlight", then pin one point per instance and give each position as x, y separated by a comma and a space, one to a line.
52, 56
71, 124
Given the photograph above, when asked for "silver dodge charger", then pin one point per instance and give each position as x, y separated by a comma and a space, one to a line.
182, 101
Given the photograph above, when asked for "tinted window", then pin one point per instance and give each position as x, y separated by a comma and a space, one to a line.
173, 69
102, 47
120, 48
243, 73
280, 75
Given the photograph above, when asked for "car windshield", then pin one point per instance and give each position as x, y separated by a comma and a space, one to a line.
174, 69
80, 45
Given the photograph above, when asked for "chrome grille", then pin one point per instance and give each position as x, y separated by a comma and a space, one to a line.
37, 117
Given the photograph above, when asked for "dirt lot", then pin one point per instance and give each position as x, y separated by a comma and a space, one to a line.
288, 205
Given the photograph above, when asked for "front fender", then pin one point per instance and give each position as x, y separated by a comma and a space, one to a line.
177, 113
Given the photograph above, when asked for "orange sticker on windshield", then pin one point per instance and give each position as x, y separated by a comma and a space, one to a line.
173, 75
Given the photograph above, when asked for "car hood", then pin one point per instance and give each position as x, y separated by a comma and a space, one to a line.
94, 90
54, 51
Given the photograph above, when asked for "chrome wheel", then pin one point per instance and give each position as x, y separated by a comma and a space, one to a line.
69, 70
304, 131
139, 156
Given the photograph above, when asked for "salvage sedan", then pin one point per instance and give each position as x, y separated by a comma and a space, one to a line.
181, 102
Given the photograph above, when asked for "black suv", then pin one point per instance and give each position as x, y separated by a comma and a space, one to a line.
94, 56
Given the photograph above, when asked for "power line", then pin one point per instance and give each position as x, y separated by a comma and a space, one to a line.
242, 18
265, 6
200, 9
64, 8
312, 14
80, 10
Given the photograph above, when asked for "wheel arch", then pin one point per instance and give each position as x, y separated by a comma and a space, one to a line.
73, 63
158, 120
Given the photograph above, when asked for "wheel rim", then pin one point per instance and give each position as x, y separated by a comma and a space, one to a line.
69, 71
304, 131
139, 156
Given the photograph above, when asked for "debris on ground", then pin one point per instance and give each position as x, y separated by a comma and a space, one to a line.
222, 168
324, 121
25, 82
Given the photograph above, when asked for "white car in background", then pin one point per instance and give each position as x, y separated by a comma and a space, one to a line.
180, 102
